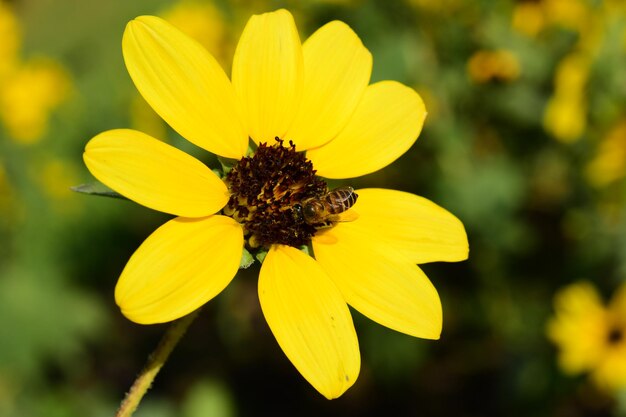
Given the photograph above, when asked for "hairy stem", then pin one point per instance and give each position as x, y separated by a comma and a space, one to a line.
155, 362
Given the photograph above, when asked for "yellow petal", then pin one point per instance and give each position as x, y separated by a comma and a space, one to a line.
310, 320
380, 284
386, 123
154, 174
579, 311
415, 226
185, 85
181, 266
337, 69
268, 74
610, 373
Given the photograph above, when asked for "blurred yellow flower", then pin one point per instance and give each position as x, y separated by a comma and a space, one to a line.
528, 18
28, 91
565, 115
29, 94
572, 74
609, 163
501, 65
316, 97
10, 39
591, 337
571, 14
203, 22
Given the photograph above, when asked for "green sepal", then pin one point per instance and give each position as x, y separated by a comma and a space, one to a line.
97, 188
218, 172
227, 164
251, 149
260, 255
246, 259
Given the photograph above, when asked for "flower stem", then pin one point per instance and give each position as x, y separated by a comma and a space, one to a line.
155, 362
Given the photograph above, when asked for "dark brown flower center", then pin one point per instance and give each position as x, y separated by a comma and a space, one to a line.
268, 193
615, 335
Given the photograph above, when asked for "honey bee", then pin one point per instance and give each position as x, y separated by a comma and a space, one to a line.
326, 208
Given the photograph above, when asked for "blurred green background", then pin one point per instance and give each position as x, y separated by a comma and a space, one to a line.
525, 142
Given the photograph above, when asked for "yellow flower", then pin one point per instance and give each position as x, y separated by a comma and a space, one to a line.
528, 18
317, 95
485, 66
10, 39
201, 21
565, 115
609, 163
571, 14
28, 96
591, 337
29, 90
572, 74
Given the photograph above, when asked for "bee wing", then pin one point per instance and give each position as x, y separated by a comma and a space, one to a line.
348, 216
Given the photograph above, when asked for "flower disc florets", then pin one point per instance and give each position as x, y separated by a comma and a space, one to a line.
615, 335
266, 189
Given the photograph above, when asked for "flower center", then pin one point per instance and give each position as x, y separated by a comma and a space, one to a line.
278, 199
615, 335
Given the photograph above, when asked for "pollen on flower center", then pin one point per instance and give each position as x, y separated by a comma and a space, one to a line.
267, 190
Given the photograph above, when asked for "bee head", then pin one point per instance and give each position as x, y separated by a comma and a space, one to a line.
306, 212
309, 211
297, 212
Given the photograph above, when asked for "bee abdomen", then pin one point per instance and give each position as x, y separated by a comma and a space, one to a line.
340, 199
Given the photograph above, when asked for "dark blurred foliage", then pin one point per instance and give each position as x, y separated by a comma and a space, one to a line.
523, 143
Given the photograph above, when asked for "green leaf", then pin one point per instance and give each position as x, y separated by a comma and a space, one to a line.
97, 188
